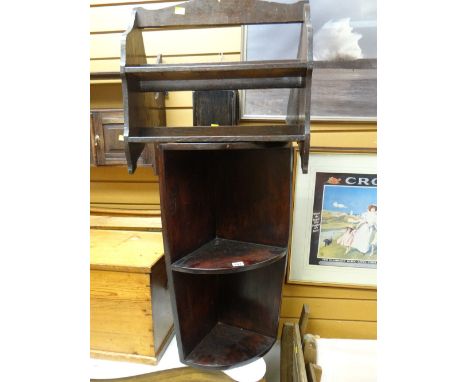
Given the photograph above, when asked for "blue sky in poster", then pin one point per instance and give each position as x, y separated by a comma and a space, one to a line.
348, 199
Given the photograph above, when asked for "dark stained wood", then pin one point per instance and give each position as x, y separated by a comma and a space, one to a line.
273, 133
140, 79
196, 299
92, 142
227, 345
228, 256
187, 201
220, 107
254, 195
217, 196
140, 109
219, 75
107, 140
188, 221
224, 145
223, 70
305, 53
252, 299
98, 138
298, 110
220, 84
220, 13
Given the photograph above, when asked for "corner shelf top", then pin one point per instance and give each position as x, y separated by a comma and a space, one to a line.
228, 256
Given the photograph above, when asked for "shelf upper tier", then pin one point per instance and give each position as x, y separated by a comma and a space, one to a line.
219, 70
272, 133
226, 346
228, 256
218, 75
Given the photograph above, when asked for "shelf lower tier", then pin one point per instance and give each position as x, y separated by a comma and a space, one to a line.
226, 346
228, 256
273, 133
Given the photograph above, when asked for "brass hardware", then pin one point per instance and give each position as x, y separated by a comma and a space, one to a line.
97, 140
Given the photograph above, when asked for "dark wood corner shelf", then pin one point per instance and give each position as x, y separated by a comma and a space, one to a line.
228, 256
272, 133
233, 346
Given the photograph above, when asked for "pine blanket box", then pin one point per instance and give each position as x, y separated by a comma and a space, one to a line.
130, 311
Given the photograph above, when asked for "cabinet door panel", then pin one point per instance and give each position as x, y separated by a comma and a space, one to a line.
113, 143
107, 144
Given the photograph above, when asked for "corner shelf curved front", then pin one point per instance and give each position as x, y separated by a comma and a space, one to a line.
228, 256
226, 346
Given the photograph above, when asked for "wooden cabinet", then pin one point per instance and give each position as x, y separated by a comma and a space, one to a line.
107, 140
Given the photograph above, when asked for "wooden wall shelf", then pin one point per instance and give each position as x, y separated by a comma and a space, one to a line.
208, 134
144, 116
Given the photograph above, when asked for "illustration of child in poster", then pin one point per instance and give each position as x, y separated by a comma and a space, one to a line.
344, 223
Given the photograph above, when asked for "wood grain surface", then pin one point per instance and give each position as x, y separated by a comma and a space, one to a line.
228, 256
120, 312
129, 251
133, 223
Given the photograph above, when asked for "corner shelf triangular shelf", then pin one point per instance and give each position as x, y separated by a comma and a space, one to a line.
228, 256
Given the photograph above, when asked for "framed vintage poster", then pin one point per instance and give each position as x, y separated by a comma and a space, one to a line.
334, 233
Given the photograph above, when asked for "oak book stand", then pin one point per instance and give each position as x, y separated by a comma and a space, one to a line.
225, 190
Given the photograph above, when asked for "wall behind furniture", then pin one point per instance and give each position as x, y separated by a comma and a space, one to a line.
335, 312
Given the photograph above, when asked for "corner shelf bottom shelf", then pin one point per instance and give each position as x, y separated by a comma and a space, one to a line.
226, 346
